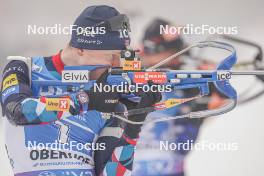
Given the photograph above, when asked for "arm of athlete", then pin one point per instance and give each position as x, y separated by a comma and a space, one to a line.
120, 139
17, 102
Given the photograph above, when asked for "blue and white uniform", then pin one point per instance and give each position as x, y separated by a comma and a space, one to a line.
23, 113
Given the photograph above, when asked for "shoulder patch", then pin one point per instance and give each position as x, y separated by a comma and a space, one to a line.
9, 81
9, 91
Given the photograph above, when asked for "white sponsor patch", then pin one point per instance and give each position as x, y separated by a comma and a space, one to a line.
75, 76
223, 75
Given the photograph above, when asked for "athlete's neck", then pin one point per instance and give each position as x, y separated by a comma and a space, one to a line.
68, 57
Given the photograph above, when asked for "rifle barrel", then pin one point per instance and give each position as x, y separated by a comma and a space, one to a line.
247, 72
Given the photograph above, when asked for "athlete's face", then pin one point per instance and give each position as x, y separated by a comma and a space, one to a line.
100, 57
110, 58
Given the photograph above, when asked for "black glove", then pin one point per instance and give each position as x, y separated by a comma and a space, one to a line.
147, 99
102, 101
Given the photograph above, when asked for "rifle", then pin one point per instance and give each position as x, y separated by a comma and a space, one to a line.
256, 63
178, 79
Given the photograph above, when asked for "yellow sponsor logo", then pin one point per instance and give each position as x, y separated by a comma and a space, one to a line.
57, 104
172, 102
132, 65
9, 81
176, 101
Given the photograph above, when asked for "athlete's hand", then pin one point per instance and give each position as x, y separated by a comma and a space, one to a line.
147, 99
102, 101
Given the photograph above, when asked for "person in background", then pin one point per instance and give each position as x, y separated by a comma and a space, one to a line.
150, 159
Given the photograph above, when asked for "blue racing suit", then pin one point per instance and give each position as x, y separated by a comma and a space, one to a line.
96, 144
